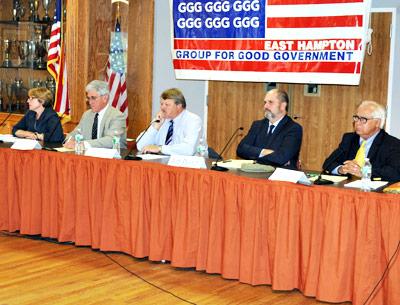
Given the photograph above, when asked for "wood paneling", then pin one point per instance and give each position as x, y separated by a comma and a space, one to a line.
324, 118
91, 23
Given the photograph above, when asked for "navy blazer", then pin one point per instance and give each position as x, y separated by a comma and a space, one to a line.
48, 123
384, 155
285, 142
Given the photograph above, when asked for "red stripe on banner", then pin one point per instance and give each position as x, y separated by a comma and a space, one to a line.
290, 2
194, 44
252, 66
219, 44
315, 22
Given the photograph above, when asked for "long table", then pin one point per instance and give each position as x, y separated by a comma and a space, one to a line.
330, 243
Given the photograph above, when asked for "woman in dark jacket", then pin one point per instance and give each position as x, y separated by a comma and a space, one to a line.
41, 122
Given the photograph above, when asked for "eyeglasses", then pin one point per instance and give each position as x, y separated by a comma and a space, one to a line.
362, 119
92, 98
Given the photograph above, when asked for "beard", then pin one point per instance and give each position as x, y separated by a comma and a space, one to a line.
269, 115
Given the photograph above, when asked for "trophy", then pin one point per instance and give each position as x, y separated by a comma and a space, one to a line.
20, 94
31, 53
51, 84
33, 9
7, 45
18, 10
9, 91
41, 52
46, 4
23, 52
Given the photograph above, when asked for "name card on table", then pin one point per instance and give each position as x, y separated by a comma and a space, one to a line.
106, 153
26, 144
289, 175
187, 161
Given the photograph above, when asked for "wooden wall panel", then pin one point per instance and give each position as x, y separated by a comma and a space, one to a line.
324, 118
90, 24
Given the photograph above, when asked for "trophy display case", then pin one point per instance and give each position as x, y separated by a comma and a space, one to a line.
24, 38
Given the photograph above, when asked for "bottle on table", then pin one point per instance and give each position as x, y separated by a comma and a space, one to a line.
366, 172
79, 145
116, 141
201, 150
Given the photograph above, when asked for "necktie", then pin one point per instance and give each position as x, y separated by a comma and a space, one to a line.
271, 129
170, 132
360, 156
94, 128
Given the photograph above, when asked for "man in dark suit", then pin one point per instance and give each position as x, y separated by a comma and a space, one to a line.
368, 140
276, 139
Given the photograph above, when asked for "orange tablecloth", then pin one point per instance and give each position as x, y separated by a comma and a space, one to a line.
330, 243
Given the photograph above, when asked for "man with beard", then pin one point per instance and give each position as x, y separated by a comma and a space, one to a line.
276, 139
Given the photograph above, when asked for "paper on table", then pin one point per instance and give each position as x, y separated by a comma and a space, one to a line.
334, 179
151, 156
8, 138
289, 175
187, 161
102, 153
234, 164
373, 184
26, 144
64, 149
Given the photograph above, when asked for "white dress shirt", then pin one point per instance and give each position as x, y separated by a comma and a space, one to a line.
186, 135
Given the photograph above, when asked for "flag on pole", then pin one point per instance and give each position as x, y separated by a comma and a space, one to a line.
56, 64
115, 75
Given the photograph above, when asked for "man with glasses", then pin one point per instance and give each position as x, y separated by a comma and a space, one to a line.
101, 122
368, 140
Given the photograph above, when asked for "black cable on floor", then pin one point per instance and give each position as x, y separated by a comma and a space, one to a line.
384, 273
146, 281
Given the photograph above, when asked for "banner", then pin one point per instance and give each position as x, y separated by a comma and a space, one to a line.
296, 41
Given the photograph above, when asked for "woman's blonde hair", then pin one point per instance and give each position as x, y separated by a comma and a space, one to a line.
42, 94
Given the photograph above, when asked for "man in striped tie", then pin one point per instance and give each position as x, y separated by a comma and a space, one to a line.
369, 140
175, 130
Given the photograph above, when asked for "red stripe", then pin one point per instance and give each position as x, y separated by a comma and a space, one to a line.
290, 2
252, 66
194, 44
315, 22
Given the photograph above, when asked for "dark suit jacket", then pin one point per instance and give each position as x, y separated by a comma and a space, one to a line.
48, 123
285, 142
384, 155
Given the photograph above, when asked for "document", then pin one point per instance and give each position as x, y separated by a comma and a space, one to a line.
151, 156
233, 164
106, 153
333, 178
187, 161
289, 175
8, 138
26, 144
374, 185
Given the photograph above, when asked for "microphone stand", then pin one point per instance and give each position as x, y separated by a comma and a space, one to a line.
136, 158
216, 167
320, 180
4, 121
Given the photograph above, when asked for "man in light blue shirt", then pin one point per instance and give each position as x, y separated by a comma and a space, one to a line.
175, 130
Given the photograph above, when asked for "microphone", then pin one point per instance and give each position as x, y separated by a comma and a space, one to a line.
216, 167
334, 157
136, 158
52, 132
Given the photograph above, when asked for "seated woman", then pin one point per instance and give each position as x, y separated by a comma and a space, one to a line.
41, 122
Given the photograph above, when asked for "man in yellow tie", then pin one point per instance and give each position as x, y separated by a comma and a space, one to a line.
369, 139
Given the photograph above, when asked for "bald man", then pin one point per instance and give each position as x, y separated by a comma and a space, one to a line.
382, 149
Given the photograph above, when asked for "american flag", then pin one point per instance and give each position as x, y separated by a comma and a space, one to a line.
115, 74
315, 41
56, 64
